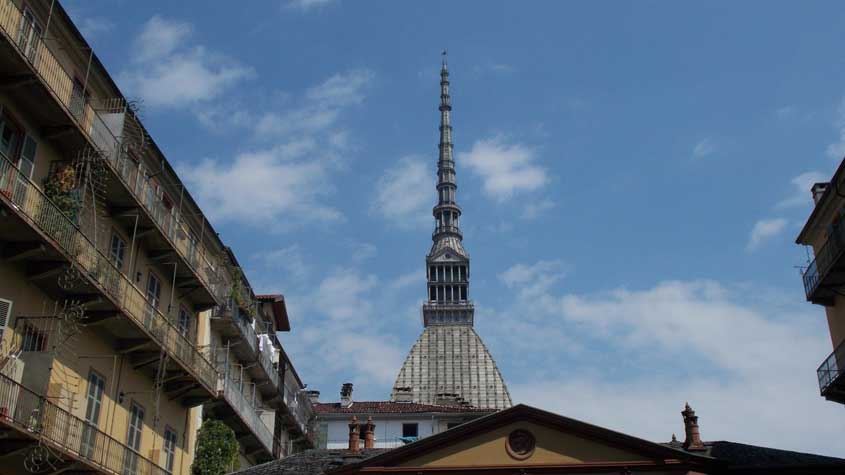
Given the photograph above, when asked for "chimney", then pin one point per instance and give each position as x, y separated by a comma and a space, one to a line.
313, 396
369, 433
354, 435
346, 395
403, 395
693, 437
818, 190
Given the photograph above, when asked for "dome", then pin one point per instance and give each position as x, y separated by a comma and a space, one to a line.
452, 359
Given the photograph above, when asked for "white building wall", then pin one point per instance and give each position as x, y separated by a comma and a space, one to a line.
388, 431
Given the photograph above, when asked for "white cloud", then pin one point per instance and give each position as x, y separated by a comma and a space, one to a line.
506, 169
287, 180
168, 71
633, 357
703, 148
346, 337
764, 230
404, 281
93, 26
288, 259
534, 209
272, 188
801, 184
306, 5
160, 37
362, 251
405, 193
320, 109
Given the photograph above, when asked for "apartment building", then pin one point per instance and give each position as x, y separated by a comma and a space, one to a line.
113, 285
263, 398
824, 278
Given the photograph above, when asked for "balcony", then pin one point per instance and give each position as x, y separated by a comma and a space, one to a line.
827, 271
33, 220
830, 373
83, 448
241, 415
228, 320
48, 91
300, 410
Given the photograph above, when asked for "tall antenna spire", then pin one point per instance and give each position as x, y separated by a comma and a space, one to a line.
447, 212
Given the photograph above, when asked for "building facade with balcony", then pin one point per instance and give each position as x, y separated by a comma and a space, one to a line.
263, 399
824, 277
107, 265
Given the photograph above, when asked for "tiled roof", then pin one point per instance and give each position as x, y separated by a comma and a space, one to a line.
309, 462
388, 407
755, 457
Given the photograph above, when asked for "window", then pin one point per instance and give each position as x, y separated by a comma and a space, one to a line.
410, 430
117, 250
133, 439
184, 323
153, 293
33, 339
169, 448
29, 35
78, 99
94, 402
5, 313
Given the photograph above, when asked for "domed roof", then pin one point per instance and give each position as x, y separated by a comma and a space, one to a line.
452, 359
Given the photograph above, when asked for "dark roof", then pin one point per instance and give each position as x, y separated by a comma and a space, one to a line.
310, 462
743, 456
389, 407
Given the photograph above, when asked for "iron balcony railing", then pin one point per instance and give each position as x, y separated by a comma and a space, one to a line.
42, 214
232, 312
266, 362
299, 406
42, 419
826, 257
248, 414
61, 84
832, 368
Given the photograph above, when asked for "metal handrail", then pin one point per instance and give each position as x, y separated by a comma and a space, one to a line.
60, 82
827, 255
32, 413
231, 312
247, 412
831, 368
43, 214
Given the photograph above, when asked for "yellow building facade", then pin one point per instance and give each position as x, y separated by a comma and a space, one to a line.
124, 318
824, 277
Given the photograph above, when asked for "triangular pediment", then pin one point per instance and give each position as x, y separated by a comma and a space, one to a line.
526, 437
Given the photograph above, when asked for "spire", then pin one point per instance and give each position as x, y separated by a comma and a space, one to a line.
447, 212
447, 262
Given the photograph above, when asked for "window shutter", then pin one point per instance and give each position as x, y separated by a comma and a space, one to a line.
27, 163
5, 314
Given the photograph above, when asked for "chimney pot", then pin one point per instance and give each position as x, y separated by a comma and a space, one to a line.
692, 441
346, 395
818, 190
313, 396
354, 435
369, 433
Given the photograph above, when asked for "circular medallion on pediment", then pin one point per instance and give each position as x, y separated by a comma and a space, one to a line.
520, 444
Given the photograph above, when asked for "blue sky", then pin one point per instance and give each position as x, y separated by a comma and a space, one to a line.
632, 177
